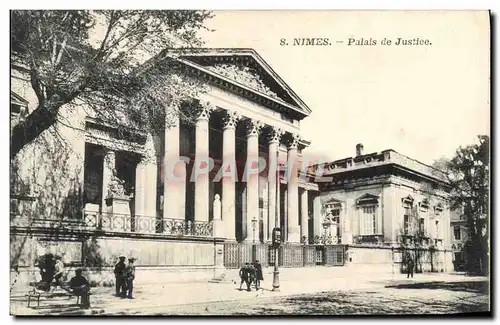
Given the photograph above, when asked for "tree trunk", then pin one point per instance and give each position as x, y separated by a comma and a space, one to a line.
28, 130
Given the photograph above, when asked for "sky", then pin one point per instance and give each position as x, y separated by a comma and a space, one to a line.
422, 101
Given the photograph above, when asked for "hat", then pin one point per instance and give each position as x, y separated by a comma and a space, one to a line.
78, 271
131, 259
122, 257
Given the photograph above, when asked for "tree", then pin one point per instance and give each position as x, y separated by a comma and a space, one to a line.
96, 58
469, 176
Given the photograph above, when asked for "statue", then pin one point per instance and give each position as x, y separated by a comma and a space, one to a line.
116, 187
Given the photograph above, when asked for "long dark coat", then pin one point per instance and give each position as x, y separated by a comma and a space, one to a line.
258, 272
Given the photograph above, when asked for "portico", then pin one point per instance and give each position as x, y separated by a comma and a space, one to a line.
227, 141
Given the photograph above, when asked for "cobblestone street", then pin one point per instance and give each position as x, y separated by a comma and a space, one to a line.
334, 293
382, 301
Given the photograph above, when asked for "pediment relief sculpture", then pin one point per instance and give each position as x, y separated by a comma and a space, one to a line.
244, 75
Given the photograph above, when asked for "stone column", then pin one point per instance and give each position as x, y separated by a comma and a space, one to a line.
293, 191
202, 163
140, 194
150, 180
317, 219
252, 178
230, 174
174, 171
108, 172
304, 214
274, 137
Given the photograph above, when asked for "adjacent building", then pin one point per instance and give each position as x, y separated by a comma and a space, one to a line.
386, 207
459, 230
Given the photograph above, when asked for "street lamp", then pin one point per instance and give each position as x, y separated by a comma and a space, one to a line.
254, 248
254, 226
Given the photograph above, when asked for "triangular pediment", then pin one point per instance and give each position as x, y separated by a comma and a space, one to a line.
333, 203
408, 200
246, 68
367, 199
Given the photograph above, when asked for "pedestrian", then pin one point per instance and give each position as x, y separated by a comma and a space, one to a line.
410, 267
251, 274
59, 270
80, 286
119, 279
130, 277
245, 275
258, 274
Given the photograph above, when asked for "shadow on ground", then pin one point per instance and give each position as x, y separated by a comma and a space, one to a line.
480, 286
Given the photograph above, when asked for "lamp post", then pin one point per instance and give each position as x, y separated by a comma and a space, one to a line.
254, 248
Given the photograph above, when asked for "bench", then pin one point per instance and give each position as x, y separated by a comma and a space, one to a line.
36, 294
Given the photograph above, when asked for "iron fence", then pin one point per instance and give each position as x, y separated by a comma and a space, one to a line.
290, 255
114, 222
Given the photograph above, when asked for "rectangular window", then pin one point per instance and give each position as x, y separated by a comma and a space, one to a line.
335, 215
368, 220
406, 220
456, 232
421, 227
437, 230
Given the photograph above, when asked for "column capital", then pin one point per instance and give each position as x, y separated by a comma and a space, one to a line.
253, 127
204, 110
109, 154
293, 141
230, 119
274, 135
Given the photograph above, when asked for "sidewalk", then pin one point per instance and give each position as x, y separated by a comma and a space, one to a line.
149, 297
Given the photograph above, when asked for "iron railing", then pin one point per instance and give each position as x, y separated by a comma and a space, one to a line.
114, 222
369, 239
326, 240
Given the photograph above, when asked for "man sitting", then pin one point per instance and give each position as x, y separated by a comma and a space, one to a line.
80, 286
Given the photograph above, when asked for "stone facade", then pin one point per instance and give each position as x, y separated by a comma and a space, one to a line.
91, 184
382, 205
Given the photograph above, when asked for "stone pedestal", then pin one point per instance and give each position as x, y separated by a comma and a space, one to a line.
219, 269
117, 216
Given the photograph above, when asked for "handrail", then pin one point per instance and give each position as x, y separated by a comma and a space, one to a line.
117, 222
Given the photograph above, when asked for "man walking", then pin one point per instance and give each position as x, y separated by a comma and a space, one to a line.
130, 277
119, 280
410, 266
258, 274
245, 275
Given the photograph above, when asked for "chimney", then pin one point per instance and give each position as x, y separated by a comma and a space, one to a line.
359, 149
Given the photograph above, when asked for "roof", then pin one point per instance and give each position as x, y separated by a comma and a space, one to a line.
242, 68
386, 157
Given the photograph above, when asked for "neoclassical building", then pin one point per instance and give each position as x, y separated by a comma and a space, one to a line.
189, 197
384, 206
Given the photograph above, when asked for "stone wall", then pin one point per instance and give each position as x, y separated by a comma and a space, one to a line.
391, 260
159, 260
